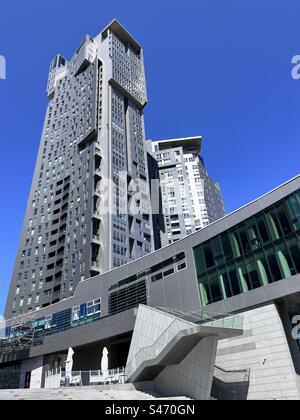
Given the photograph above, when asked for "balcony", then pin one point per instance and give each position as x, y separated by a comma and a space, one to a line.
98, 171
60, 253
59, 263
64, 216
65, 198
53, 234
97, 214
58, 273
49, 279
51, 261
98, 151
63, 229
97, 192
55, 296
57, 281
58, 194
61, 239
148, 248
57, 204
65, 207
147, 226
96, 238
95, 265
52, 246
50, 268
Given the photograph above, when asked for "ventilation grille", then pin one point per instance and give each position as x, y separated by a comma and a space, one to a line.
128, 297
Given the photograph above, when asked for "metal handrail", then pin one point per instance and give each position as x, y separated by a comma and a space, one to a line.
195, 315
243, 374
204, 317
58, 377
204, 313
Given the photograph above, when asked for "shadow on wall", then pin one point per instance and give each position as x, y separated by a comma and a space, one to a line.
10, 376
230, 384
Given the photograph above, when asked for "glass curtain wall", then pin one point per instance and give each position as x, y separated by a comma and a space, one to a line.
261, 250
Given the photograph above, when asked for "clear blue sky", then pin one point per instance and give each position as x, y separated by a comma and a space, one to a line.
217, 68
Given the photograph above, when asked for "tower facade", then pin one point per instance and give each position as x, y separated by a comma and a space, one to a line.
88, 208
191, 200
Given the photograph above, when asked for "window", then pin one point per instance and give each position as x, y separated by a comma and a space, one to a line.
181, 267
48, 322
263, 229
157, 277
93, 307
215, 288
296, 256
258, 251
209, 259
275, 269
169, 272
284, 221
76, 313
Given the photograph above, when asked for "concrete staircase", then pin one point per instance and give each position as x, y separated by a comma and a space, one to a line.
180, 334
125, 392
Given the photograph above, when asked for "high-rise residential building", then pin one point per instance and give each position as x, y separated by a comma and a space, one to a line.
88, 208
191, 200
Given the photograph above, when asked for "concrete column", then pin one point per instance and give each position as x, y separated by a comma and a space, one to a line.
283, 264
203, 294
262, 273
272, 227
242, 281
234, 245
192, 377
222, 287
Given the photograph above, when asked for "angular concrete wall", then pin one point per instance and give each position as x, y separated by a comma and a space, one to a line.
193, 376
263, 351
149, 326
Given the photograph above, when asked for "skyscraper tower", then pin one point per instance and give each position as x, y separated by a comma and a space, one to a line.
191, 200
88, 205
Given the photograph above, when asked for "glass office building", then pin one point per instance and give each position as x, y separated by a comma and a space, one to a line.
261, 250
